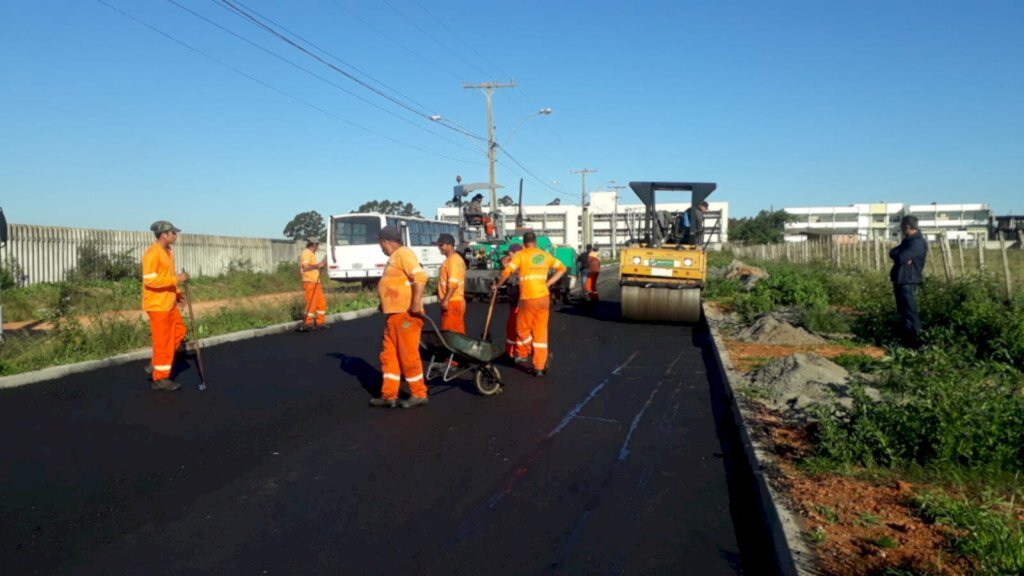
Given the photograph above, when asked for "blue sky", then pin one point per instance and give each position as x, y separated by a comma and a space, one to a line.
108, 124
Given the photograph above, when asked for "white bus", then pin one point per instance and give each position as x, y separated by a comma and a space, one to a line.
354, 252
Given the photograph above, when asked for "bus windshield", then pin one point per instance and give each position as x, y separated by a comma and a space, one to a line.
356, 230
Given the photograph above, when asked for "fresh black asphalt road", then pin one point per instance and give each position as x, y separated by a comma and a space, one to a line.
615, 462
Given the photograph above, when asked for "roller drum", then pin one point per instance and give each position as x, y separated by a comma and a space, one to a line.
661, 304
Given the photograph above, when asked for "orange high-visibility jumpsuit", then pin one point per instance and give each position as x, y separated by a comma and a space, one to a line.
511, 335
160, 296
452, 278
316, 304
533, 265
400, 348
593, 271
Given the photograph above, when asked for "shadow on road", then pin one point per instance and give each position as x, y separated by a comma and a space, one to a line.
368, 376
748, 513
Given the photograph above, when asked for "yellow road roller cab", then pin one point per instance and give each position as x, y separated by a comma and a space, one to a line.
662, 273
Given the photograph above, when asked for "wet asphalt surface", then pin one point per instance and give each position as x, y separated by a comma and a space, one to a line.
618, 461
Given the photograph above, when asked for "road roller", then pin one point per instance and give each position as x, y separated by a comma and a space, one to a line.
663, 271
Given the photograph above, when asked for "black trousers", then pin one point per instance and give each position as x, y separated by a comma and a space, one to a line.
906, 307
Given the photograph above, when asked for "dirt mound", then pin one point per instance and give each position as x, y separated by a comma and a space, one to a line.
770, 330
745, 273
797, 382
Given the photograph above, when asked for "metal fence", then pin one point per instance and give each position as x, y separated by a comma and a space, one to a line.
48, 253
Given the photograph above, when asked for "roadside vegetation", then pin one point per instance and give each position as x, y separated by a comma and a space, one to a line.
95, 313
948, 417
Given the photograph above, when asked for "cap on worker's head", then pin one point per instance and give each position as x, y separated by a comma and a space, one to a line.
529, 237
390, 233
446, 239
590, 247
312, 241
515, 248
161, 226
478, 197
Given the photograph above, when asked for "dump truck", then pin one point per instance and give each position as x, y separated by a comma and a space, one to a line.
663, 271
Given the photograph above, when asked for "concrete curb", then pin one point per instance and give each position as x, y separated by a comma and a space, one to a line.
792, 554
55, 372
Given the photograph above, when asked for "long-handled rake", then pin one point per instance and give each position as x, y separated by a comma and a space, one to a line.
195, 338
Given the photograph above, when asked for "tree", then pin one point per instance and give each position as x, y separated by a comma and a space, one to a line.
306, 225
555, 202
398, 208
768, 227
506, 200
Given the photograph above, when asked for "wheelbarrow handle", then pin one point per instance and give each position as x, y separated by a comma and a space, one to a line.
437, 331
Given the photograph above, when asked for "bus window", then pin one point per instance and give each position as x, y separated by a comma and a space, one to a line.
356, 230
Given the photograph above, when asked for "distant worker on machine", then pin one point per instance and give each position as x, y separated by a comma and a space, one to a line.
533, 266
693, 235
451, 281
907, 273
474, 215
513, 347
593, 270
401, 300
316, 304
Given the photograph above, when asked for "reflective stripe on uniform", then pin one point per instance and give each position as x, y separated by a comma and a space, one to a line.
540, 345
150, 275
512, 266
454, 281
392, 376
416, 270
535, 277
414, 378
162, 367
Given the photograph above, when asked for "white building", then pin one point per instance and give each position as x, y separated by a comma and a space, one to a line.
610, 220
882, 221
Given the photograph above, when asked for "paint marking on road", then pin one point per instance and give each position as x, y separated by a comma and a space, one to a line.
593, 392
474, 518
624, 450
598, 418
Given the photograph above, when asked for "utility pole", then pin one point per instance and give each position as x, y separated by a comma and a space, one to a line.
488, 88
615, 221
584, 228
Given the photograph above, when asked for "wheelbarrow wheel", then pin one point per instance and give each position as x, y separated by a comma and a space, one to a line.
488, 380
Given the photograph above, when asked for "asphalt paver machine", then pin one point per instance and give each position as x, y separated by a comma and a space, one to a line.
663, 271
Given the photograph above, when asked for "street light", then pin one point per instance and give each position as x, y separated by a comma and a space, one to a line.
541, 112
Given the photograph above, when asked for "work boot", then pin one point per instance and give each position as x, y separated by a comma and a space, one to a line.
382, 403
149, 369
304, 328
521, 360
322, 327
415, 401
537, 372
165, 384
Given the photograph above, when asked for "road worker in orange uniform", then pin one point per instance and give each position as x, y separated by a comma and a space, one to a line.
316, 304
401, 301
513, 349
593, 271
532, 265
451, 287
160, 299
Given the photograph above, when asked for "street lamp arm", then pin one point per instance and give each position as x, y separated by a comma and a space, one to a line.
541, 112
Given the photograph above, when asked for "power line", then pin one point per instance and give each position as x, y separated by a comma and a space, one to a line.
436, 41
403, 46
278, 90
240, 10
531, 174
458, 37
317, 76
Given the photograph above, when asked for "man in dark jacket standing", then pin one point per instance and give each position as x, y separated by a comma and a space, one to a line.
907, 272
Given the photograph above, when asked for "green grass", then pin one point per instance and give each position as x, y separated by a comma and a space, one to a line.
70, 342
985, 531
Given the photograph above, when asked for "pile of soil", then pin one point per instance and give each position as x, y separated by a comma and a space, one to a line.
770, 330
797, 382
745, 273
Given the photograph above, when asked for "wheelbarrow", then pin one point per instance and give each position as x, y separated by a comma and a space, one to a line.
454, 355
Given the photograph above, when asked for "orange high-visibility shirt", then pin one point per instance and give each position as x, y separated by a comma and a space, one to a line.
532, 265
159, 282
593, 262
308, 258
395, 288
452, 278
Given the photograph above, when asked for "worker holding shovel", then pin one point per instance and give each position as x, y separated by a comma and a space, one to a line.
316, 304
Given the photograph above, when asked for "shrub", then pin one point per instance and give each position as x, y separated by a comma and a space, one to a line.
824, 320
11, 274
93, 264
